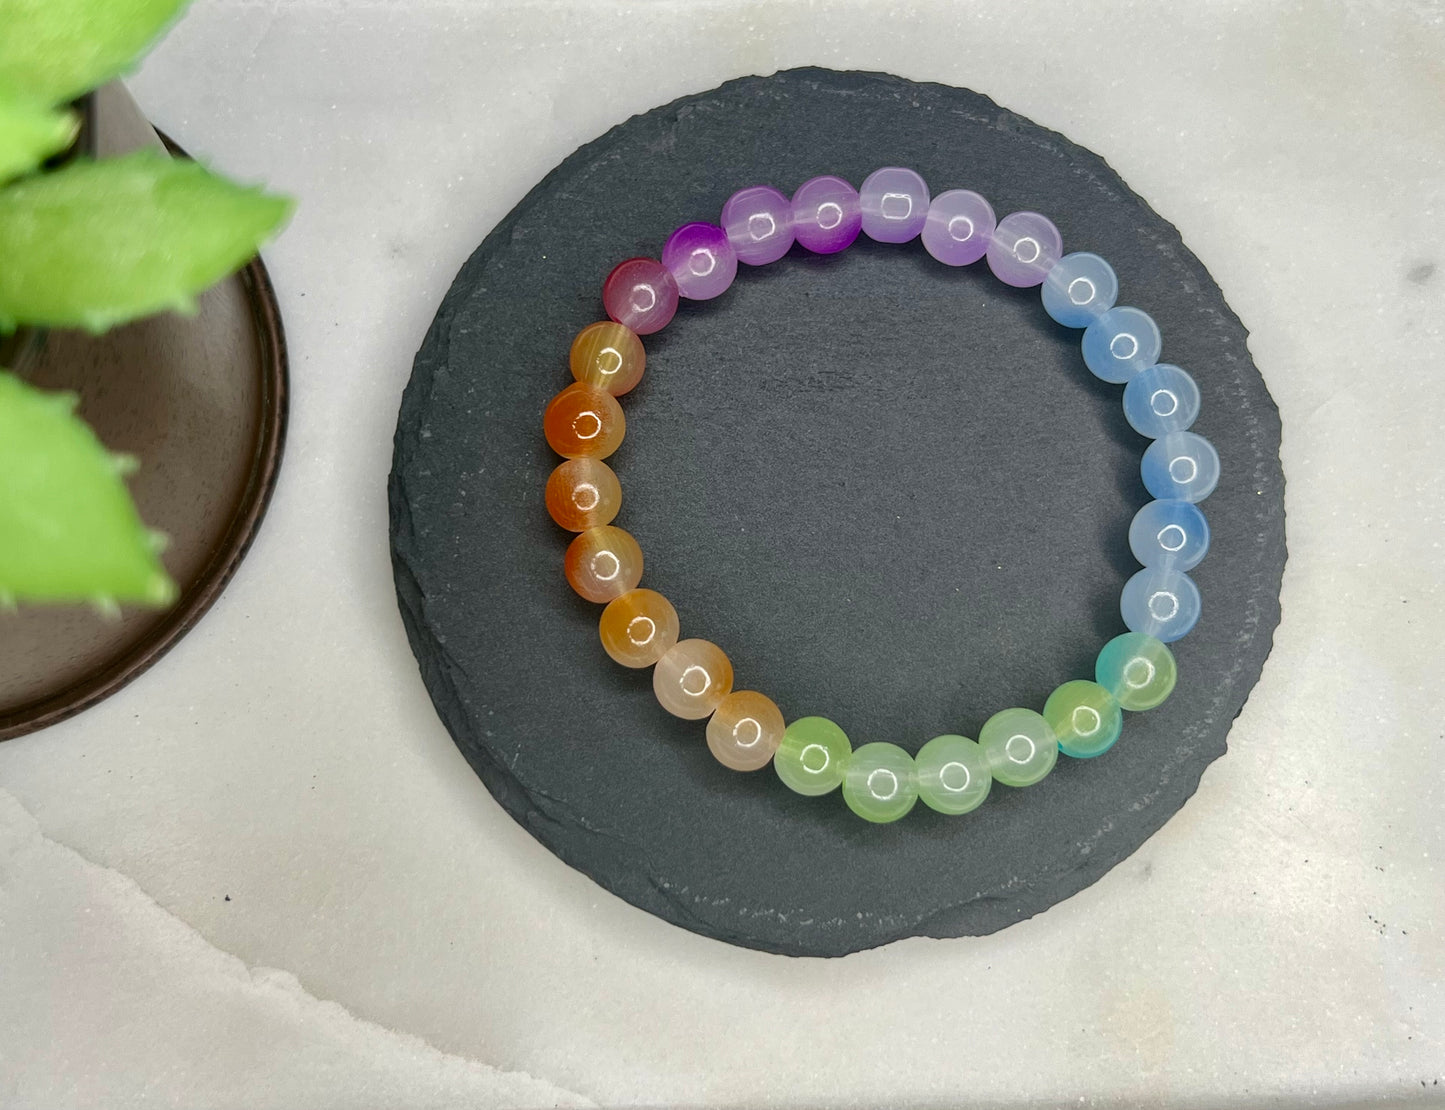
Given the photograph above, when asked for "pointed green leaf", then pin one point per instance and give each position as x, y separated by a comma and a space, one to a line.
54, 50
30, 134
99, 243
68, 528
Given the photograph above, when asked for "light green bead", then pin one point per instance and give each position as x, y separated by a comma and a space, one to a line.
813, 756
1085, 718
1019, 745
881, 783
953, 774
1137, 669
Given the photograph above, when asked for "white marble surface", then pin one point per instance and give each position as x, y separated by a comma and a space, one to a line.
239, 881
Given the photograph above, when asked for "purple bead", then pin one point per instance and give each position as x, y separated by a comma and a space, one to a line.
701, 260
759, 224
960, 227
894, 203
1024, 249
826, 214
640, 294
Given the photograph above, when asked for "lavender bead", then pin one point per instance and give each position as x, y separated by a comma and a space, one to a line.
959, 228
759, 224
894, 203
826, 214
1024, 249
701, 260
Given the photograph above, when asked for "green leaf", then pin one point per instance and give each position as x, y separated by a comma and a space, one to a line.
54, 50
30, 134
99, 243
68, 528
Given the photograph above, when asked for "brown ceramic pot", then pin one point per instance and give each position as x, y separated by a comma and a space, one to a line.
201, 402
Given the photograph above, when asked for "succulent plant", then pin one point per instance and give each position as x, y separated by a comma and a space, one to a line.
91, 244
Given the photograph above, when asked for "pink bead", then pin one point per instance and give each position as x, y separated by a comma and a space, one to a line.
640, 294
701, 260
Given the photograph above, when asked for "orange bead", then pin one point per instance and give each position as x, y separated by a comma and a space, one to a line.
584, 422
608, 356
638, 628
583, 494
745, 730
692, 678
603, 563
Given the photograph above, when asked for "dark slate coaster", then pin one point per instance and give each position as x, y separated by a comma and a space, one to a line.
889, 490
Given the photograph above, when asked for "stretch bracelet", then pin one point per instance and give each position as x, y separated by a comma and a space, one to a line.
693, 678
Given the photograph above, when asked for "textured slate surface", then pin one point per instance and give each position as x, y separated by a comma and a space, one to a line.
889, 490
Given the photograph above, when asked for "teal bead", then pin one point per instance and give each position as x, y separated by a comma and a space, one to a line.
881, 783
1137, 669
1019, 745
1085, 718
813, 756
953, 774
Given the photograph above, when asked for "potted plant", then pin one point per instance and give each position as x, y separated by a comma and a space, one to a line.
99, 246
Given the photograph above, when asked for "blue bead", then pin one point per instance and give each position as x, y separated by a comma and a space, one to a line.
1079, 289
1161, 602
1160, 400
1120, 343
1181, 466
1169, 533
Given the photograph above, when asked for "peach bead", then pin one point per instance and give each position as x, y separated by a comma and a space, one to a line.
692, 678
745, 730
603, 563
583, 494
609, 356
584, 422
638, 628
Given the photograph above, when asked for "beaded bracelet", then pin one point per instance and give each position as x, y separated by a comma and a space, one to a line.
693, 679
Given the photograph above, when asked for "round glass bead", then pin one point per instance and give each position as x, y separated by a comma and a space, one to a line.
1024, 248
1169, 533
745, 730
759, 224
1161, 602
701, 260
881, 783
1079, 289
692, 678
584, 422
640, 294
1137, 669
959, 227
894, 202
826, 214
583, 493
1019, 746
953, 774
1121, 343
638, 628
1181, 466
812, 756
608, 356
1085, 718
1160, 400
603, 563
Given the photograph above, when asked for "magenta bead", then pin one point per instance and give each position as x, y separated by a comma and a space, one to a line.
759, 224
640, 294
826, 214
701, 260
960, 227
894, 203
1024, 249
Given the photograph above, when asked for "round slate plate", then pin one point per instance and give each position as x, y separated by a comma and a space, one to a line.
889, 490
